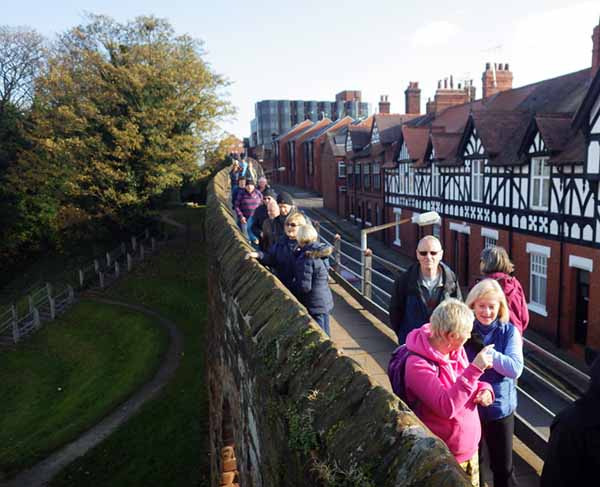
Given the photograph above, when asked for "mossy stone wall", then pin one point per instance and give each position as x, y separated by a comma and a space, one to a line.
301, 413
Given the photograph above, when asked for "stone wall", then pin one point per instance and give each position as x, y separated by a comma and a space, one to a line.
295, 410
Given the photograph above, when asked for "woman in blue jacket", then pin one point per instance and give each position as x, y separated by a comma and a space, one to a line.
491, 326
312, 276
281, 255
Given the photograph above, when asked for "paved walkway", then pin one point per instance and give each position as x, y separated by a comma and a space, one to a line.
41, 473
370, 341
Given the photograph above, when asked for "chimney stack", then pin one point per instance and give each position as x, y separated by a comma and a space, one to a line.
412, 97
596, 50
384, 104
496, 80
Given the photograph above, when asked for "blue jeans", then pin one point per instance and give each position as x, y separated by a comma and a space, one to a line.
244, 229
323, 321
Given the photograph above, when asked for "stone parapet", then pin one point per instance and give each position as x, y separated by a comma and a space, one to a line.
295, 410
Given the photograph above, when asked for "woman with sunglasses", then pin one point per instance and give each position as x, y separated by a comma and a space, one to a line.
418, 291
280, 256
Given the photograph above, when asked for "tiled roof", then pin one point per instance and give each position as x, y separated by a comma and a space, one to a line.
445, 147
361, 135
555, 130
292, 130
416, 139
574, 151
328, 127
304, 132
390, 126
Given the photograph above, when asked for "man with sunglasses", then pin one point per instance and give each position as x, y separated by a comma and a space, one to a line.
423, 286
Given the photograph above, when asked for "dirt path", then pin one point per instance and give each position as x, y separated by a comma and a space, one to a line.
41, 473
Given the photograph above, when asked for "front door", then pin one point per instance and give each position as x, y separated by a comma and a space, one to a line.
581, 306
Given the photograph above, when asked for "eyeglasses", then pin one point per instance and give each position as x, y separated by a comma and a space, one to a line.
292, 225
433, 253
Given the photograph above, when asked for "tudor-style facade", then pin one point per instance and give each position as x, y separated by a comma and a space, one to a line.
528, 183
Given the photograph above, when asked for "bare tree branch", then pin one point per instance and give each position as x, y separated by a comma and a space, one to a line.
22, 55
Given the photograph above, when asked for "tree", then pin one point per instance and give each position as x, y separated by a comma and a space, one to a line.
120, 114
22, 55
125, 108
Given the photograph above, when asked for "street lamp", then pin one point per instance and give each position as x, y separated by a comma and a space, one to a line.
423, 219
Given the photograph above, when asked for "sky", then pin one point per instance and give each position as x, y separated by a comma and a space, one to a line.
311, 50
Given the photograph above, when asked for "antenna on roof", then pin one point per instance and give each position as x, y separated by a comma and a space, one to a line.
495, 50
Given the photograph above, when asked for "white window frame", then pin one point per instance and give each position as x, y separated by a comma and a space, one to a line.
436, 180
539, 180
410, 180
477, 180
376, 175
397, 216
402, 179
538, 274
489, 242
341, 169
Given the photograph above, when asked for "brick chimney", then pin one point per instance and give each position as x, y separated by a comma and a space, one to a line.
384, 104
412, 97
596, 50
501, 81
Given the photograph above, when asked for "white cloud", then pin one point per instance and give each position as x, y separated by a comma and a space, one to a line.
552, 42
434, 33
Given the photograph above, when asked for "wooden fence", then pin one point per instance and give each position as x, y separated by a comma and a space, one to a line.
46, 302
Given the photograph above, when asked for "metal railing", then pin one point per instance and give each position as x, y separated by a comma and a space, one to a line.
368, 290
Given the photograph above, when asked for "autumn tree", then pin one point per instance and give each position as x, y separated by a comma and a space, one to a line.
121, 113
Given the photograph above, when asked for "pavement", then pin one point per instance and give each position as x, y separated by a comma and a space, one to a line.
369, 341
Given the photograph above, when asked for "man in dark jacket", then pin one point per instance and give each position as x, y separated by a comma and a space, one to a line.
260, 214
573, 456
421, 288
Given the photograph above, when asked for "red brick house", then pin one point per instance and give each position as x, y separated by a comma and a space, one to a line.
521, 169
281, 155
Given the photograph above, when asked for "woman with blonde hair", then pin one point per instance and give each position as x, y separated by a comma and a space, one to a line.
442, 387
312, 276
492, 326
496, 264
280, 256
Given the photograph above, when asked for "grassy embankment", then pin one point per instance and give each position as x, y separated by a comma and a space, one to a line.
69, 375
166, 443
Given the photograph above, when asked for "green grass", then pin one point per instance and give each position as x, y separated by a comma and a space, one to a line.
69, 375
166, 443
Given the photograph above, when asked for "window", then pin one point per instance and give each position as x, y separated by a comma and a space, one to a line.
538, 282
540, 183
341, 169
477, 180
308, 147
291, 147
410, 180
397, 215
367, 175
376, 176
435, 180
350, 175
436, 231
368, 216
401, 179
357, 174
489, 242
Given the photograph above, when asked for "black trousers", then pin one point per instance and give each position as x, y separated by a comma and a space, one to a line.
498, 436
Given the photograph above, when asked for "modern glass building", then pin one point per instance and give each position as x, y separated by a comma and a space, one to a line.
275, 117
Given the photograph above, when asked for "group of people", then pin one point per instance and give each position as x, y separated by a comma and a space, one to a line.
284, 240
464, 358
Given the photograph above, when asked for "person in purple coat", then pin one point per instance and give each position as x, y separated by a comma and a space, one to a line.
246, 203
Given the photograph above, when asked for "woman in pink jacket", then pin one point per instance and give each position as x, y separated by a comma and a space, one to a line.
443, 388
496, 264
